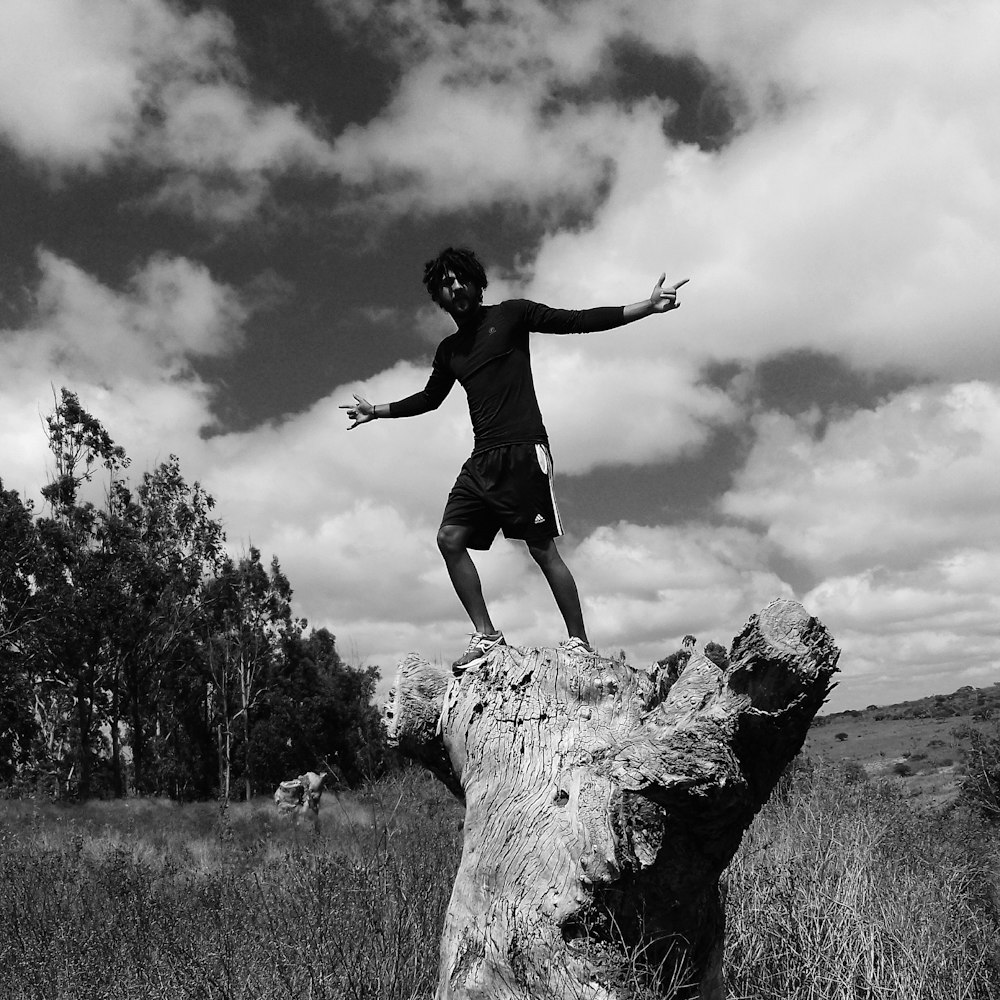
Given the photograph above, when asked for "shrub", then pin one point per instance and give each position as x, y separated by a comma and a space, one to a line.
981, 781
854, 773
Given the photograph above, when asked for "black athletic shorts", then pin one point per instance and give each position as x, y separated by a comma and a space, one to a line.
509, 487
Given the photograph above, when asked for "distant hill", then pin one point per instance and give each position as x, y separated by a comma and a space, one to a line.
917, 744
977, 703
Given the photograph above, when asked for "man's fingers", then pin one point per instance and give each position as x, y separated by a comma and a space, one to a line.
683, 281
354, 413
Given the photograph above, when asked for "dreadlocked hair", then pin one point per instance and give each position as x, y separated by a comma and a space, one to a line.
461, 261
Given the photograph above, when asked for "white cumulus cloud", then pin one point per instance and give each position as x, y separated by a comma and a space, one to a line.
92, 83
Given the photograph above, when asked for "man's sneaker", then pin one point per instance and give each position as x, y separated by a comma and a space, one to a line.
576, 645
480, 645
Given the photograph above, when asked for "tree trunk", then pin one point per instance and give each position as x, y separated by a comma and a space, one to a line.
119, 701
139, 781
139, 707
247, 758
227, 765
603, 807
223, 742
117, 784
84, 716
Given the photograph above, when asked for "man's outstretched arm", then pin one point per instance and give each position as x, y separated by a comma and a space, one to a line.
544, 319
429, 398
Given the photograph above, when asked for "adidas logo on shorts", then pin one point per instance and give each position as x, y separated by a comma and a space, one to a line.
539, 519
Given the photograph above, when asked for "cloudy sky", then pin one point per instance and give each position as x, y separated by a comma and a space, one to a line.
215, 216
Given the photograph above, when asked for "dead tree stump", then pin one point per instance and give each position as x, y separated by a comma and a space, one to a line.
600, 817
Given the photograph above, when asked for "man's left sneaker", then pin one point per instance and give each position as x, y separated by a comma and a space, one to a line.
480, 645
576, 645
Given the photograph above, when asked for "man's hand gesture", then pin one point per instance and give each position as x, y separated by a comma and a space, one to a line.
664, 299
360, 411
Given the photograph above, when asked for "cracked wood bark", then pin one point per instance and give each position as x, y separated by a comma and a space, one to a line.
601, 810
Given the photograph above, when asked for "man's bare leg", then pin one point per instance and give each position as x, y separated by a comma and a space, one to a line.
453, 541
562, 584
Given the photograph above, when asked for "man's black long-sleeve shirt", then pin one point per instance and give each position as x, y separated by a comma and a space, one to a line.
490, 357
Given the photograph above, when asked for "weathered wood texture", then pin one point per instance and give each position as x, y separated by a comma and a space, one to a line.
601, 806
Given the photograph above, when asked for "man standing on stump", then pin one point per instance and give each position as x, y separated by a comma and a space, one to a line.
507, 482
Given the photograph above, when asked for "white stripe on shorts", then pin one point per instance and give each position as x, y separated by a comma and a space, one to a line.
545, 464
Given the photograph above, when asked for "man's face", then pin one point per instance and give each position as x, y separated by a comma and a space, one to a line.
457, 297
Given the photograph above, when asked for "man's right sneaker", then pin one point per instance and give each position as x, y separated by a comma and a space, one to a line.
576, 645
480, 645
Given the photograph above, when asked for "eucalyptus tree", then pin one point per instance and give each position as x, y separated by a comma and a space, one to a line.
75, 590
168, 547
249, 618
123, 588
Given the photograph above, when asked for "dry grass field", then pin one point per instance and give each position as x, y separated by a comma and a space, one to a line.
853, 882
916, 745
157, 900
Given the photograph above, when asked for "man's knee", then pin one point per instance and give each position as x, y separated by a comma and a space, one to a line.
452, 539
544, 551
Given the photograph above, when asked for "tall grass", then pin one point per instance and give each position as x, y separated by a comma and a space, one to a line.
841, 891
152, 900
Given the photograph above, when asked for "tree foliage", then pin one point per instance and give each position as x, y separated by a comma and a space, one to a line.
18, 619
138, 656
981, 781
